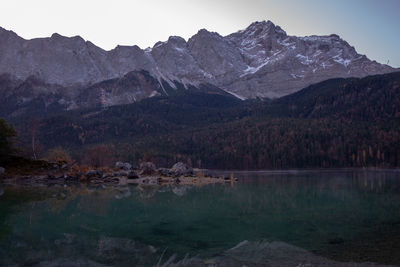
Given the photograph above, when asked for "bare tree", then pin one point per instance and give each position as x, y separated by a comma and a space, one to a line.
101, 155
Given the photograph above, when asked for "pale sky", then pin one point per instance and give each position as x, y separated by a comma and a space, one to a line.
372, 26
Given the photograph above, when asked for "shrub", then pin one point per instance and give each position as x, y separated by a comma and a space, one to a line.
58, 154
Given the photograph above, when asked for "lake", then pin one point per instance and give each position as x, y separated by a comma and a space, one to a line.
270, 218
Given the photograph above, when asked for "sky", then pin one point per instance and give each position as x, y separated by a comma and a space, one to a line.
371, 26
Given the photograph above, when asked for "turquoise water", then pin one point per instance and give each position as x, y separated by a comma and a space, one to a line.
340, 215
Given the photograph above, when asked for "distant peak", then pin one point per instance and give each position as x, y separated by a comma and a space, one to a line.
265, 26
3, 30
176, 39
335, 36
158, 44
262, 23
127, 48
205, 32
56, 35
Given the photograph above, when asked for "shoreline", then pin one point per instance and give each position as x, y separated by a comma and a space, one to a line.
122, 174
306, 170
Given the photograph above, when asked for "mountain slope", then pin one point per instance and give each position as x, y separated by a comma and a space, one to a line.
34, 97
371, 99
260, 61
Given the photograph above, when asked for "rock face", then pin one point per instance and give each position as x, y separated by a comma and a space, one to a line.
36, 97
260, 61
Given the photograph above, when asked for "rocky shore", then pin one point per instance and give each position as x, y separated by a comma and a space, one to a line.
123, 173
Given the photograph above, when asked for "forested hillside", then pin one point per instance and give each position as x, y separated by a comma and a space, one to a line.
336, 123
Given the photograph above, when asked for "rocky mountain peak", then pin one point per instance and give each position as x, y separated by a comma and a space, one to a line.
2, 30
259, 61
74, 42
176, 40
5, 31
263, 29
173, 42
261, 24
57, 36
7, 36
127, 48
204, 35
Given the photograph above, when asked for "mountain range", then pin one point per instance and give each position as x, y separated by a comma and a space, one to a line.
254, 99
62, 73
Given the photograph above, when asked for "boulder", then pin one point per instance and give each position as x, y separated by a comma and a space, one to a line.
135, 167
132, 175
120, 173
180, 169
93, 173
147, 168
123, 165
164, 172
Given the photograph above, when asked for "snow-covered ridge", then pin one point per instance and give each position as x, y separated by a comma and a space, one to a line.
261, 60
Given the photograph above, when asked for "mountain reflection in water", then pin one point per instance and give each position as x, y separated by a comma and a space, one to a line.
287, 217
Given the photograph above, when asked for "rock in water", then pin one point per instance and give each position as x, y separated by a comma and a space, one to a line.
147, 168
181, 168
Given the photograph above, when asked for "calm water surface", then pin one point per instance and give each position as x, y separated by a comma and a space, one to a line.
343, 215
